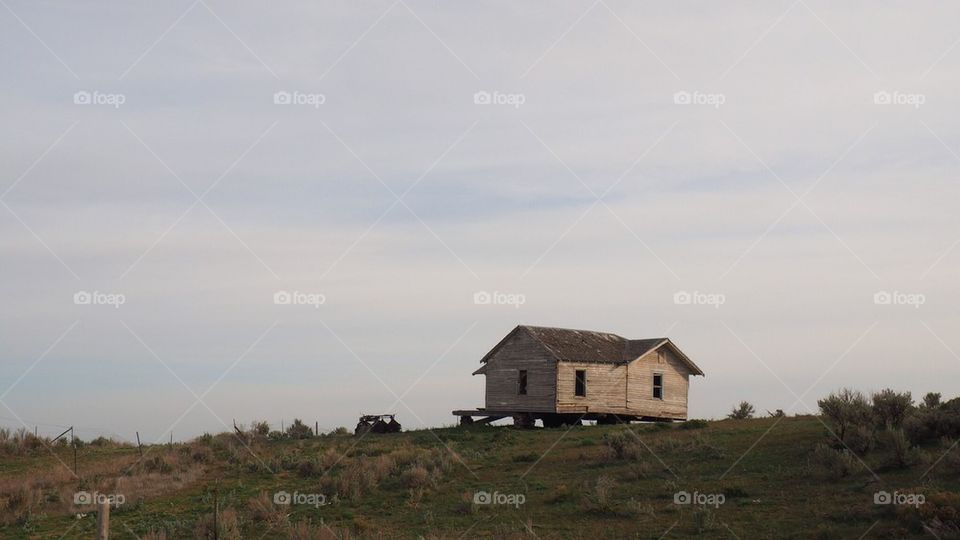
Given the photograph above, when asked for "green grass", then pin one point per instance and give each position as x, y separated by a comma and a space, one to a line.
572, 486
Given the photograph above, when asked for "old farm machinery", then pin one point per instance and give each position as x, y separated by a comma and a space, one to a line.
377, 423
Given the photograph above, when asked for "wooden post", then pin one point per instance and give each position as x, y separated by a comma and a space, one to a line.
140, 448
316, 429
216, 512
103, 520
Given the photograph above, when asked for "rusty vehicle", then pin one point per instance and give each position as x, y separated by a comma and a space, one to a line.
377, 423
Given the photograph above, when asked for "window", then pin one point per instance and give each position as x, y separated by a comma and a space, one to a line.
522, 383
657, 386
580, 388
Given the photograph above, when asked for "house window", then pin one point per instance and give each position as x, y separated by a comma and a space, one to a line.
657, 386
522, 383
580, 388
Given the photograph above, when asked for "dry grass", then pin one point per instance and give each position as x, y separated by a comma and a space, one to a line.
51, 490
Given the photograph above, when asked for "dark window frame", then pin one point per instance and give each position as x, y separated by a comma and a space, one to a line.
580, 383
657, 388
522, 382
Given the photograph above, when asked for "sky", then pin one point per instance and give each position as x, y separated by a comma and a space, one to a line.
232, 211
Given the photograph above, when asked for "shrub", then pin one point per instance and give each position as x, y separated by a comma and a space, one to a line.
561, 493
623, 445
102, 441
703, 519
261, 508
939, 515
260, 429
742, 411
415, 476
835, 463
891, 408
227, 526
299, 430
694, 424
526, 458
929, 424
157, 464
931, 400
734, 492
307, 468
845, 409
901, 452
859, 439
596, 495
776, 414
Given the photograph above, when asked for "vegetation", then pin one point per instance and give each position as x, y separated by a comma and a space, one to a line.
775, 477
742, 411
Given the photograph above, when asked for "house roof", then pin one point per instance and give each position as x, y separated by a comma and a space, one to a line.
569, 345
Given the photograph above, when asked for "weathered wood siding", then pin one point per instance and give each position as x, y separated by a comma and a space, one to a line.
606, 387
522, 351
627, 389
676, 381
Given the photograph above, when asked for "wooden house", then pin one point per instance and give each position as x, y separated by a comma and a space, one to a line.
559, 376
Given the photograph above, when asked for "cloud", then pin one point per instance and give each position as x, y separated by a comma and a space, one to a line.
495, 198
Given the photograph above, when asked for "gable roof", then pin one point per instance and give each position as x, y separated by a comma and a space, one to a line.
569, 345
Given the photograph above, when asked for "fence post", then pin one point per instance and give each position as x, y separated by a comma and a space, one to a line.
216, 514
140, 448
103, 520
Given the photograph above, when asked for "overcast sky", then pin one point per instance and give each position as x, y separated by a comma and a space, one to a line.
780, 162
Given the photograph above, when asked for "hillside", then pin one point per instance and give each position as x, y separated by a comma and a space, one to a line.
757, 478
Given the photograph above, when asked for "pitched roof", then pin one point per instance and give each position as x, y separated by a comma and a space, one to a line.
569, 345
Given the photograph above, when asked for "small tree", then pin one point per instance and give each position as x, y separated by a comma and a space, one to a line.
260, 429
742, 411
931, 400
299, 430
845, 409
891, 408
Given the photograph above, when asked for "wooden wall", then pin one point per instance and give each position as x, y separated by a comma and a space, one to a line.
627, 389
611, 388
606, 387
676, 381
502, 372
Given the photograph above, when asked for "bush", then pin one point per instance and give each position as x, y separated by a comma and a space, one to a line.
299, 430
742, 411
595, 496
694, 424
931, 400
227, 526
930, 424
776, 414
859, 439
415, 476
260, 429
891, 408
307, 468
845, 409
623, 445
902, 455
703, 519
835, 463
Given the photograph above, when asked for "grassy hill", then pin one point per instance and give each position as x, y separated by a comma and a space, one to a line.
759, 478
